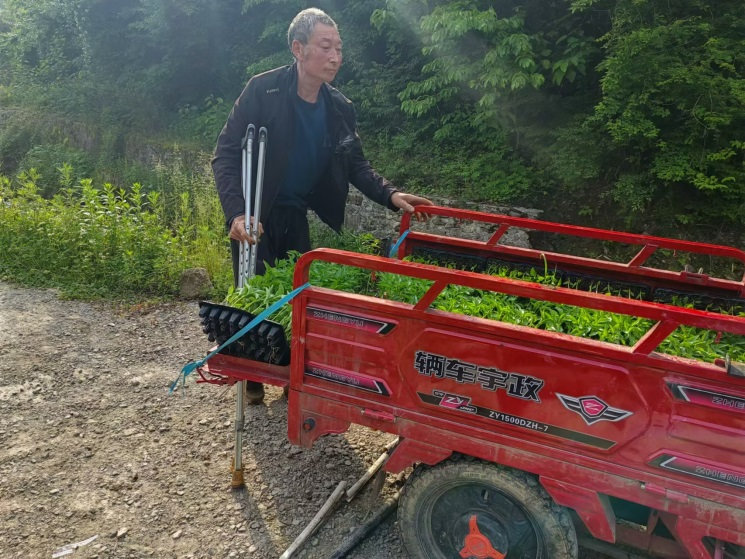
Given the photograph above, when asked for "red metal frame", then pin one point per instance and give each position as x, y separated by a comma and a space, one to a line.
633, 269
591, 420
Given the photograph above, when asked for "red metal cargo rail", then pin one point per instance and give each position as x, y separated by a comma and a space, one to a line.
635, 271
646, 448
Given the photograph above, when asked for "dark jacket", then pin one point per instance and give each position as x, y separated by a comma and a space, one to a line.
266, 101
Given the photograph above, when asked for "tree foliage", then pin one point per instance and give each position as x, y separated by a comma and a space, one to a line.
673, 98
639, 100
636, 105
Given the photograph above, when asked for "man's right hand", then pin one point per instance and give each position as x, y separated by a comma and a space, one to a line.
238, 230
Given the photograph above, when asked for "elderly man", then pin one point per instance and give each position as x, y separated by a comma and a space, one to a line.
312, 155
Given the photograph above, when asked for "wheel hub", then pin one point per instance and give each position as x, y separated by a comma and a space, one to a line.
477, 544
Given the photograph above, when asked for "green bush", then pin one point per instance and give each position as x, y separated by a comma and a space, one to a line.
20, 131
101, 241
203, 124
48, 161
462, 167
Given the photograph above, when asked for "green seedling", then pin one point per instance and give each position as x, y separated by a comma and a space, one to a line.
587, 323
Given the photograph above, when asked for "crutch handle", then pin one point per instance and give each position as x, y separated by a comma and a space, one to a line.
250, 131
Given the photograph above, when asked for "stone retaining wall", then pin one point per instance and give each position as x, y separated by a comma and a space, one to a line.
364, 216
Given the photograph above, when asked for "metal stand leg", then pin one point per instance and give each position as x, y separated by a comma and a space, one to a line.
238, 481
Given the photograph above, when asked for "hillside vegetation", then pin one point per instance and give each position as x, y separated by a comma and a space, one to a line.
623, 113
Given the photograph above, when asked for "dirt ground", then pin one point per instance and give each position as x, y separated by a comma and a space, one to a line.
91, 444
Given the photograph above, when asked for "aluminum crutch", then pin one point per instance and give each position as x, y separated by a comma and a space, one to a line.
247, 269
243, 256
263, 139
246, 176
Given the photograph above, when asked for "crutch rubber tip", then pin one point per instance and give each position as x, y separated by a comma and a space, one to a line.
237, 482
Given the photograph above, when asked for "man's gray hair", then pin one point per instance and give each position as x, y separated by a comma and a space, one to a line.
302, 26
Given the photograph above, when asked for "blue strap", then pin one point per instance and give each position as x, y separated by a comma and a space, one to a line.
394, 248
189, 368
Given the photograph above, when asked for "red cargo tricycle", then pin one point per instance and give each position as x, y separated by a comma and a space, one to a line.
525, 440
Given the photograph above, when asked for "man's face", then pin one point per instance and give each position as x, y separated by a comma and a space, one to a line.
321, 57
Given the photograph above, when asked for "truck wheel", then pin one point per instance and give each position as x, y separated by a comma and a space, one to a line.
473, 509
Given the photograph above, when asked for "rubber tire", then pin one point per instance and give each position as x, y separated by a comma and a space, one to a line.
553, 521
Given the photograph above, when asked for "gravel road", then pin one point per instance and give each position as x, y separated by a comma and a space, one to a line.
91, 444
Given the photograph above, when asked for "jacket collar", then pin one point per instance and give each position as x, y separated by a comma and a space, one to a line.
326, 89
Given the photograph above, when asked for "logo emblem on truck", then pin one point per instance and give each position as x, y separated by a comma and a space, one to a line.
592, 409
